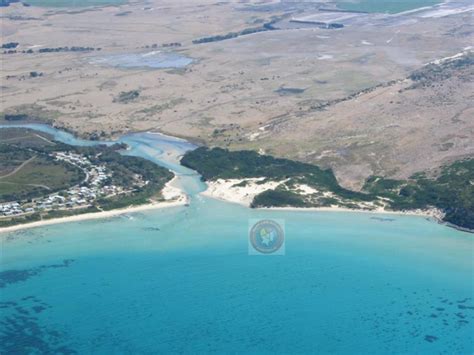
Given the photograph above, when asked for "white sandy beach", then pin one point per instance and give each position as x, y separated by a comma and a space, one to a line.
431, 213
173, 197
226, 190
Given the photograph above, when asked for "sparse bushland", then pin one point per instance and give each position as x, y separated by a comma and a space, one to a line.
436, 72
127, 96
10, 49
452, 191
28, 113
268, 26
10, 45
68, 49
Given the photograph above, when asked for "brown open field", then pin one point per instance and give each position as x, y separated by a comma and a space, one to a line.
257, 91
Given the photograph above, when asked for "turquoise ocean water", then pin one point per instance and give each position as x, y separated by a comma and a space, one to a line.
180, 280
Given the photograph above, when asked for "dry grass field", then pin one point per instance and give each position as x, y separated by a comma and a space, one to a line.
285, 91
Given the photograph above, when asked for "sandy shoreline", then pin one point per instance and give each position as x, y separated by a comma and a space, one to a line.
242, 196
224, 190
434, 213
173, 195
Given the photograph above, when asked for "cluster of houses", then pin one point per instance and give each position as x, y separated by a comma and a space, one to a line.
96, 184
95, 174
10, 209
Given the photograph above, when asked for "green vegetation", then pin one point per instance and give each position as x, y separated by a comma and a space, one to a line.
67, 49
39, 176
230, 35
28, 113
289, 91
28, 170
278, 198
268, 26
127, 96
35, 74
219, 163
12, 117
53, 50
452, 191
168, 105
10, 45
436, 72
25, 138
125, 169
323, 25
384, 6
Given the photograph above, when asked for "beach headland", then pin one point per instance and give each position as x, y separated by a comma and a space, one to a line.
234, 191
263, 181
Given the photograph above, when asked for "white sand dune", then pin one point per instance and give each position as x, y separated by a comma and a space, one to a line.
229, 190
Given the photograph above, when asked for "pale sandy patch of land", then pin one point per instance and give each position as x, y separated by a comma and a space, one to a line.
226, 189
431, 213
172, 193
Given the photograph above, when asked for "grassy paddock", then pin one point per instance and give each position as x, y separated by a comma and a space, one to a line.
39, 176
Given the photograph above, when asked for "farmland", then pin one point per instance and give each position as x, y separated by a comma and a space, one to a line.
24, 173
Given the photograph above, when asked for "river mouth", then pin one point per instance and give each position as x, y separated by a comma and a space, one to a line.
181, 279
156, 147
153, 60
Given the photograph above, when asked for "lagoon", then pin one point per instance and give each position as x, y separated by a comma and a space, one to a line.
181, 280
385, 6
154, 60
74, 3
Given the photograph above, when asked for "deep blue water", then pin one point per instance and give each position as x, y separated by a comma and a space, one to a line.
180, 280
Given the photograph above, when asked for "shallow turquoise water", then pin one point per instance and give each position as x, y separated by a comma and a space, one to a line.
181, 280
